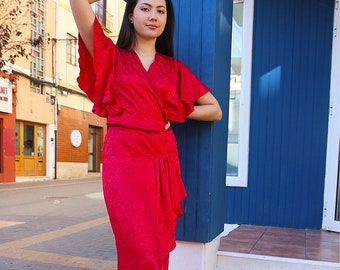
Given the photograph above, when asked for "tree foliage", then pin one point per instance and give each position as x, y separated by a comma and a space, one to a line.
15, 31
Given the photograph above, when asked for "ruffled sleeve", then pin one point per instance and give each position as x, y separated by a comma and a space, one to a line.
189, 89
96, 73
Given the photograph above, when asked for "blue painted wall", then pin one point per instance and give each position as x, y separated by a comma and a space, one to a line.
203, 38
289, 116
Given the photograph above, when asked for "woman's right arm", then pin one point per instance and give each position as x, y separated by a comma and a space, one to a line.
84, 18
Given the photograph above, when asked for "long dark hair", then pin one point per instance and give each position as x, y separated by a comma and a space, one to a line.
164, 43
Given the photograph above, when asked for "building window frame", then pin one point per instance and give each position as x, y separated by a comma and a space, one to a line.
71, 49
100, 10
104, 17
241, 178
37, 54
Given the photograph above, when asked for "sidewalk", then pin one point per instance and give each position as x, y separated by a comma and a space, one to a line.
55, 224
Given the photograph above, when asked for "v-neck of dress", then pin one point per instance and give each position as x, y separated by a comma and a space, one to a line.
136, 56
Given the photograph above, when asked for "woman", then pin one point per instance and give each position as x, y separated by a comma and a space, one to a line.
139, 87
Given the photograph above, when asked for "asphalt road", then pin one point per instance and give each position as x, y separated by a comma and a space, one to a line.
57, 224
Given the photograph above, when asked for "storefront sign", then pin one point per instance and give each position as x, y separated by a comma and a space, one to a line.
6, 95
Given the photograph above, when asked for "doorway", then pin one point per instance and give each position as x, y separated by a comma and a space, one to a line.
93, 149
332, 179
30, 149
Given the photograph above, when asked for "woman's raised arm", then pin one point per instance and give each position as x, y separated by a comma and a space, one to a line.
84, 18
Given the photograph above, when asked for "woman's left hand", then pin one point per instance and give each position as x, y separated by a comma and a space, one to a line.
167, 126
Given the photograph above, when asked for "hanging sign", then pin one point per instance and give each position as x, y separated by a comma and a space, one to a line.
6, 95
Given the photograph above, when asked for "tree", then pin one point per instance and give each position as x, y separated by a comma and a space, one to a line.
14, 31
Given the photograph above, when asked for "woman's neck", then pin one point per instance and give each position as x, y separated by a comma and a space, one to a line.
146, 53
145, 49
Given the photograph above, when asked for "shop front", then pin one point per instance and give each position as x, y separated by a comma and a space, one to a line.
7, 129
30, 149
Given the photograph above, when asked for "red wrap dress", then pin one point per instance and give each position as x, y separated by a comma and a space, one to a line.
142, 183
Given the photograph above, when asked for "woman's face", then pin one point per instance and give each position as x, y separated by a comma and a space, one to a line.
149, 18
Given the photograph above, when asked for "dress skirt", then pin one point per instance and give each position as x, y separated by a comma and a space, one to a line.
143, 189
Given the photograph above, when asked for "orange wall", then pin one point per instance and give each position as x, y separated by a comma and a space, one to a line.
32, 107
70, 119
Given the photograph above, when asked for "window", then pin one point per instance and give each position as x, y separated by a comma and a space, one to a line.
36, 87
17, 139
71, 50
37, 56
240, 88
104, 17
101, 11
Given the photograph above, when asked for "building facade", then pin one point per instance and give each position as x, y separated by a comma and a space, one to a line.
74, 118
54, 134
282, 161
291, 156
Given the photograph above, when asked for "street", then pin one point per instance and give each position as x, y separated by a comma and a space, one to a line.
55, 224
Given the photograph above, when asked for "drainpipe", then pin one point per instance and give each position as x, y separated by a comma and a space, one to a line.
55, 81
55, 84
